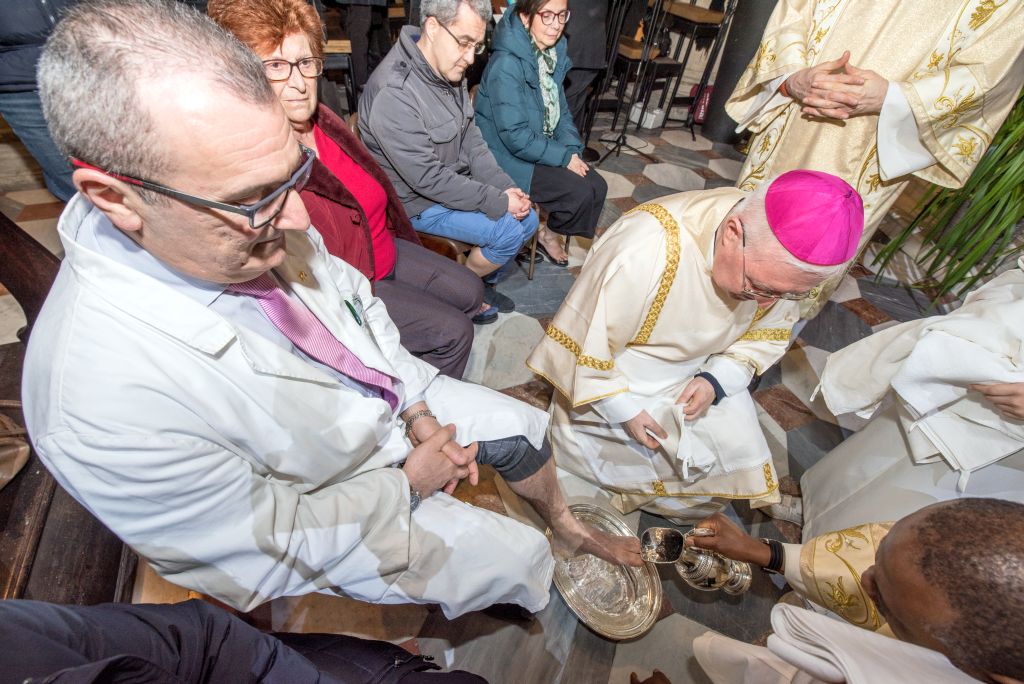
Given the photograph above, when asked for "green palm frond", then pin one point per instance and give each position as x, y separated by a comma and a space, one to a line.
969, 232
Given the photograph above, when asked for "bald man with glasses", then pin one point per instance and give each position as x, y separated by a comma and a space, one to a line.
678, 305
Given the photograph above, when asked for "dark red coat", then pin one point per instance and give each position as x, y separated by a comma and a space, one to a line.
336, 214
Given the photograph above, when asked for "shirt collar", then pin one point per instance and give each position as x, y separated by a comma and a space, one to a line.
98, 234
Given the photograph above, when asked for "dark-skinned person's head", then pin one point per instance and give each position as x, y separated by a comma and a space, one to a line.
950, 577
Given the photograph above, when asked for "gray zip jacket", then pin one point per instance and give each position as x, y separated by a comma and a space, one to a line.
420, 129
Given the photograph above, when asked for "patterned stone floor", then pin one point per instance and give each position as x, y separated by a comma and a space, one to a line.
554, 647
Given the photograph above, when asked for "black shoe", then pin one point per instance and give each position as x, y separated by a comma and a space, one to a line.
499, 301
563, 262
486, 316
524, 257
509, 612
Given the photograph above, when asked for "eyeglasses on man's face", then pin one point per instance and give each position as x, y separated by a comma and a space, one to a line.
755, 292
278, 69
259, 213
549, 17
465, 45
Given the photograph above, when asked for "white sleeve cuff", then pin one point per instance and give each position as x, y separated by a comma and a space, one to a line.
618, 408
900, 150
733, 376
791, 569
769, 98
409, 401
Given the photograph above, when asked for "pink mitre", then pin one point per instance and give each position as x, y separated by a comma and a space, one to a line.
816, 216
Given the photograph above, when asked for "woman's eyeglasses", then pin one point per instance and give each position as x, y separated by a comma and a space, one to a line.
281, 69
548, 17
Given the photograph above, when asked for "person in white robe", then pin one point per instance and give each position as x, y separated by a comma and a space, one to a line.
944, 397
677, 306
934, 597
184, 415
879, 92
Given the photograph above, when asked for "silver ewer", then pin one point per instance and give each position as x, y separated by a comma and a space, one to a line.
700, 568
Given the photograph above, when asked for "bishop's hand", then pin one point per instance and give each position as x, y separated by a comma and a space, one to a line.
697, 396
639, 427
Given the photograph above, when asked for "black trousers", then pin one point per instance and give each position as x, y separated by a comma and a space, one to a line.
573, 202
514, 457
577, 85
367, 27
190, 642
431, 300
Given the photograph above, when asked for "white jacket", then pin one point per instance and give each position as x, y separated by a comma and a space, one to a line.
242, 471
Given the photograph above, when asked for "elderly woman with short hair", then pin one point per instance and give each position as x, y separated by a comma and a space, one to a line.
349, 198
523, 115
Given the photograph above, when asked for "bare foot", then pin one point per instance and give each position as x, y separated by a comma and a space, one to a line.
587, 539
553, 244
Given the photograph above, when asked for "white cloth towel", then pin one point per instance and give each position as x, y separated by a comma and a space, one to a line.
835, 651
929, 363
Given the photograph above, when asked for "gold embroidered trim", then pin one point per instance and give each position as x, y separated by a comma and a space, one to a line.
568, 395
982, 13
837, 598
668, 276
661, 490
690, 495
765, 55
574, 348
766, 335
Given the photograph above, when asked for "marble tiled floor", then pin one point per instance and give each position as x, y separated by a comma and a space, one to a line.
554, 647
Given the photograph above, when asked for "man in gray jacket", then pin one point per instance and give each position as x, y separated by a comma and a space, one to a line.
416, 118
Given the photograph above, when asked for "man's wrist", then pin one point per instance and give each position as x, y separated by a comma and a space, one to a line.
412, 418
772, 558
715, 385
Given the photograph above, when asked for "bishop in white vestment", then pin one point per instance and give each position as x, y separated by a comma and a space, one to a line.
677, 306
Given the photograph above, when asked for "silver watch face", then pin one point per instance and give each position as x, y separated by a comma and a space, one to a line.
414, 500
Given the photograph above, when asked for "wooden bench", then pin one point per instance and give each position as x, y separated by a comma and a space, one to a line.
51, 549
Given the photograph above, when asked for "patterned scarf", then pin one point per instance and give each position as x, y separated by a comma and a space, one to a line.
546, 61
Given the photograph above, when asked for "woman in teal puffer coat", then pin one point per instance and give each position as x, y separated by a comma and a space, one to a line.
523, 116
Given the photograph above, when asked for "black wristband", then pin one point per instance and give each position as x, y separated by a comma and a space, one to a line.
715, 385
777, 559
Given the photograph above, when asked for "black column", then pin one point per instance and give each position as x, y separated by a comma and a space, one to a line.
740, 46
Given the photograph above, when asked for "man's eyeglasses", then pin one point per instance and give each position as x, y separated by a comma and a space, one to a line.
548, 17
765, 294
259, 214
281, 69
465, 45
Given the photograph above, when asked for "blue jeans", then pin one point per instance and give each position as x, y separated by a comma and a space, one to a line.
23, 112
499, 240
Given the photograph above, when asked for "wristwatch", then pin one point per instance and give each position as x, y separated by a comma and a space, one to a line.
777, 562
414, 499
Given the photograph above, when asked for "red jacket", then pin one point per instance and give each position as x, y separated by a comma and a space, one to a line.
336, 214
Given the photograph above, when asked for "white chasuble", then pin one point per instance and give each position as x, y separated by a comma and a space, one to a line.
642, 319
954, 68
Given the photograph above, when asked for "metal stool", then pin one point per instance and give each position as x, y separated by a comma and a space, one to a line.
694, 19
